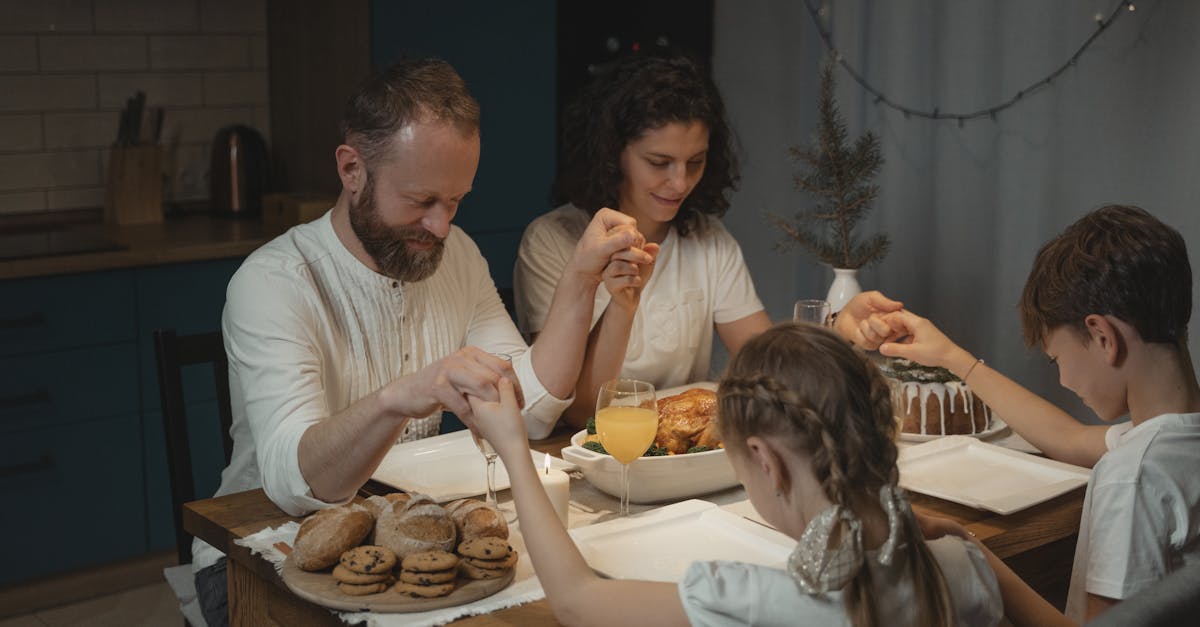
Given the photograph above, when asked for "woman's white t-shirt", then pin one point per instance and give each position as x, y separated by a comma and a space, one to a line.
698, 281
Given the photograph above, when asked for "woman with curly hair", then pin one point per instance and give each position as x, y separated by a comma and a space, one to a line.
649, 138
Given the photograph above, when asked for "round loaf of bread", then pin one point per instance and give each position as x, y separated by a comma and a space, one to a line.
377, 503
475, 519
411, 528
328, 533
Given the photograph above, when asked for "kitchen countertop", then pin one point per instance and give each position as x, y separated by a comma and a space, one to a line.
194, 237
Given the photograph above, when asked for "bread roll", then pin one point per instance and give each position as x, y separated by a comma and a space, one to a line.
475, 519
411, 528
328, 533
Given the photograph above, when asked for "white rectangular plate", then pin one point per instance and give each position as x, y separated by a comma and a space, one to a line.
660, 544
985, 476
446, 467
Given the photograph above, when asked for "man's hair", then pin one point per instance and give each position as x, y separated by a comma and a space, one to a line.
641, 92
407, 91
1117, 260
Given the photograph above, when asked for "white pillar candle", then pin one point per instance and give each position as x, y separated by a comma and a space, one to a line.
557, 485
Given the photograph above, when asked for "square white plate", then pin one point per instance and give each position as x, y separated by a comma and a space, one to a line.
660, 544
985, 476
446, 467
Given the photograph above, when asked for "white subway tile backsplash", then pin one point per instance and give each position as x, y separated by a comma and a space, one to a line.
199, 52
50, 92
201, 125
233, 16
53, 169
235, 88
20, 133
50, 16
146, 16
92, 52
18, 53
258, 52
162, 90
262, 122
68, 66
76, 198
81, 130
22, 202
187, 172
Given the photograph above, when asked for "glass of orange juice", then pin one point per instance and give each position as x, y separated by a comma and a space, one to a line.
626, 421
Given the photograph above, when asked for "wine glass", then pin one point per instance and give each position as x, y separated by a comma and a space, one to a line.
626, 421
812, 310
489, 456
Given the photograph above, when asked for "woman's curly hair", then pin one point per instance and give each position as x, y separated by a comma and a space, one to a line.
641, 92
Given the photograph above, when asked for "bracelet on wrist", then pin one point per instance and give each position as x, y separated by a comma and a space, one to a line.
971, 369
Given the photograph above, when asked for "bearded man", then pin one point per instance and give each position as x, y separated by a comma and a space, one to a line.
356, 330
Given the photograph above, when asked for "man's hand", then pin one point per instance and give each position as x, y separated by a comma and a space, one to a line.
624, 278
861, 320
608, 233
447, 382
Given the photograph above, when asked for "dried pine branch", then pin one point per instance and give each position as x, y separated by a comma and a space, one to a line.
837, 173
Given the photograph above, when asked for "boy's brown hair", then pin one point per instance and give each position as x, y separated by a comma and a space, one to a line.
1117, 260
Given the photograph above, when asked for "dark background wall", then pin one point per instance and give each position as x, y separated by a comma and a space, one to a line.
505, 51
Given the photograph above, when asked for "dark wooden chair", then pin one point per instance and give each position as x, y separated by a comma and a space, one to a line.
173, 353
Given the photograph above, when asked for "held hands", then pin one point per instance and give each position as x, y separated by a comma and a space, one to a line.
498, 420
625, 275
923, 343
447, 382
861, 321
610, 232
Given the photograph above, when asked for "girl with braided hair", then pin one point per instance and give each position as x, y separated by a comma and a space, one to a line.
807, 424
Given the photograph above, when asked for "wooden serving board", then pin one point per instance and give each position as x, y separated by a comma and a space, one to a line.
321, 588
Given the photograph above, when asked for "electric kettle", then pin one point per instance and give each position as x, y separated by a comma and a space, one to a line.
238, 176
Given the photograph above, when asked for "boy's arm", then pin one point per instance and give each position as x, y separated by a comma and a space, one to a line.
1050, 429
1022, 605
1045, 426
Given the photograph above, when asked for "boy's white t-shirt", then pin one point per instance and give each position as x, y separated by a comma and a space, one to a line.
697, 281
1141, 512
718, 594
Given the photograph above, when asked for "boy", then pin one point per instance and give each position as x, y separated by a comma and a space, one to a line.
1108, 300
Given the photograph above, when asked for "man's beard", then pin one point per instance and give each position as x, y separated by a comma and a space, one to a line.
387, 246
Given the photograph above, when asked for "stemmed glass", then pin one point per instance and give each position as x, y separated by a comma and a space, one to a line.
489, 455
812, 310
626, 420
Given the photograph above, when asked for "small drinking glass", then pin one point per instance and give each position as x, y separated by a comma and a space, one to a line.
812, 310
489, 456
626, 421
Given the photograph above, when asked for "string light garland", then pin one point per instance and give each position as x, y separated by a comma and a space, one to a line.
1102, 24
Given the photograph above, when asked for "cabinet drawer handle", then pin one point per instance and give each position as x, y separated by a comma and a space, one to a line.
45, 462
23, 322
39, 396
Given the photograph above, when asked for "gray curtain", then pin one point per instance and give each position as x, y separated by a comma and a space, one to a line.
967, 207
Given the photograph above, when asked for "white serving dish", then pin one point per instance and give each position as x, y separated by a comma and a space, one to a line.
445, 467
654, 479
660, 544
985, 476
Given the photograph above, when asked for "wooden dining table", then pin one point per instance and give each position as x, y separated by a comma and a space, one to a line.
1038, 543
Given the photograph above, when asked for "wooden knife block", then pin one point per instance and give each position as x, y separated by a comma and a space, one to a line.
135, 185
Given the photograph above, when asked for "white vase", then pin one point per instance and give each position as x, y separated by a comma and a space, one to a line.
844, 287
